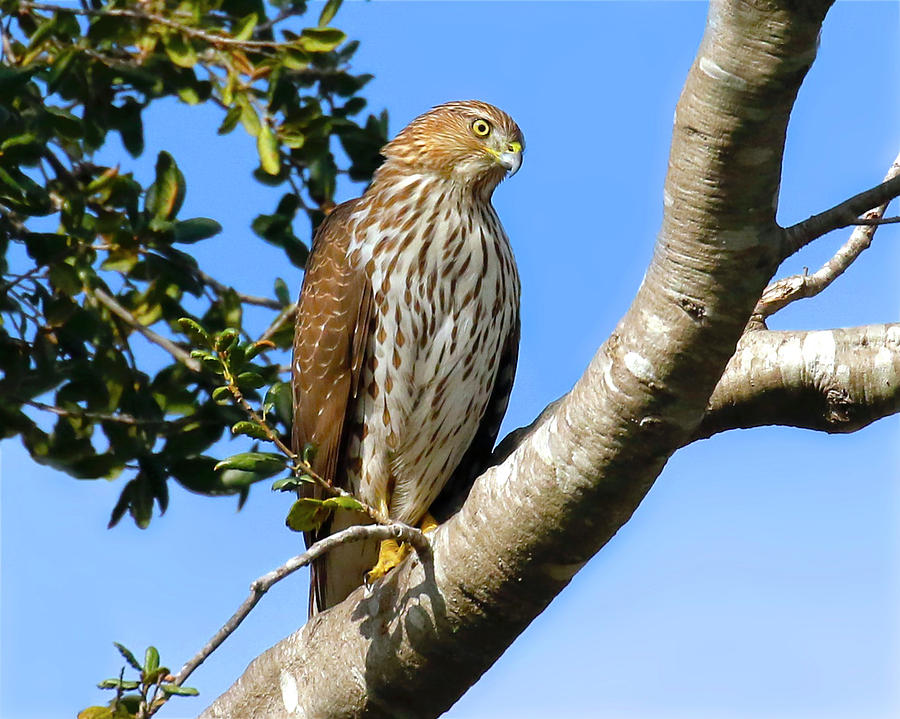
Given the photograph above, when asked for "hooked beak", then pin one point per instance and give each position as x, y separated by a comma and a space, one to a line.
511, 158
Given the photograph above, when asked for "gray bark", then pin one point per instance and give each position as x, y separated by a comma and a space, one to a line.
829, 380
425, 634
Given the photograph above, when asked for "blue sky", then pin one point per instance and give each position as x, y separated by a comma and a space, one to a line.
758, 579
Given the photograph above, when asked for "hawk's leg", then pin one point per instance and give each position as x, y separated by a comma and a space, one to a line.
391, 552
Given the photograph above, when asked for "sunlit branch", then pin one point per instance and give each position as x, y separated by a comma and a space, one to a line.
781, 293
400, 532
152, 336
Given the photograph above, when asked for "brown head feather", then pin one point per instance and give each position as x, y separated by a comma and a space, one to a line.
443, 141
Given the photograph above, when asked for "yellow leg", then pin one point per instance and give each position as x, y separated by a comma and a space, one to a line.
390, 554
428, 523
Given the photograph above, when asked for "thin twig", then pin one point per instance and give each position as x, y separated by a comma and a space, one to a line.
155, 338
60, 412
400, 532
248, 299
283, 316
161, 20
873, 221
298, 464
783, 292
8, 284
842, 215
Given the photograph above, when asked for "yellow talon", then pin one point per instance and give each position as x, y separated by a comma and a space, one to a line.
428, 523
390, 554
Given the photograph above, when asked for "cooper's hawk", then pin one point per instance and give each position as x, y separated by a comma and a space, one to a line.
407, 328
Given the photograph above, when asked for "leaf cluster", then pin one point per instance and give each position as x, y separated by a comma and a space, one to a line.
90, 258
153, 687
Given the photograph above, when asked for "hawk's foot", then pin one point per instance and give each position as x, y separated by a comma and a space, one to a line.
390, 554
428, 523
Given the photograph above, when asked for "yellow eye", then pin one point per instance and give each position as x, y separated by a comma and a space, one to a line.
481, 128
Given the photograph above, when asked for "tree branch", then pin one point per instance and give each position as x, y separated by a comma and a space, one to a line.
830, 380
843, 215
379, 532
170, 347
789, 289
218, 40
424, 634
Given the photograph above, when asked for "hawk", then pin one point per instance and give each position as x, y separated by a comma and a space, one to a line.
407, 332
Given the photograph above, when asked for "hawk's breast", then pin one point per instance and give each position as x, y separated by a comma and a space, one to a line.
446, 297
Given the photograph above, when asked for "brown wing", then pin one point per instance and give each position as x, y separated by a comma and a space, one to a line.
329, 346
478, 456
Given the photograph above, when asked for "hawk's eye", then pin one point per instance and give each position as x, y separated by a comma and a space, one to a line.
481, 128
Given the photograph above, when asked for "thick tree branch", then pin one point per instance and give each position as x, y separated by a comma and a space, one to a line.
830, 380
425, 634
789, 289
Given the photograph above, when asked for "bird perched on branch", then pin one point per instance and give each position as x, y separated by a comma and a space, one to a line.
407, 332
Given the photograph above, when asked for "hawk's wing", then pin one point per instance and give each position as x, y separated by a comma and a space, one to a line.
332, 326
478, 456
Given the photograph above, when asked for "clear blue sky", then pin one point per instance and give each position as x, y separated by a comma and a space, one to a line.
760, 576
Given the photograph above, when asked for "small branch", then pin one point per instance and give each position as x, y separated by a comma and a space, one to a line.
874, 222
789, 289
16, 279
286, 314
60, 412
155, 338
842, 215
218, 40
401, 532
248, 299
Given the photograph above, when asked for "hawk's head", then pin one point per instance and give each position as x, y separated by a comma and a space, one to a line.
471, 141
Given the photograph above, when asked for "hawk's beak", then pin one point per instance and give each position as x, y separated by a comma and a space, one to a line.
511, 158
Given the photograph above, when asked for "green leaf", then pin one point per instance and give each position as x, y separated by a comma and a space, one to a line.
65, 278
180, 50
293, 139
198, 228
96, 713
249, 118
226, 339
344, 503
243, 29
236, 479
250, 379
166, 194
151, 660
195, 331
286, 484
231, 120
320, 39
281, 292
128, 656
306, 515
251, 429
180, 691
279, 397
267, 146
118, 684
329, 11
222, 395
309, 452
263, 463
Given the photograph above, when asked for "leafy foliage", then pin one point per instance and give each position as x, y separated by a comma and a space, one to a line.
146, 694
90, 257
